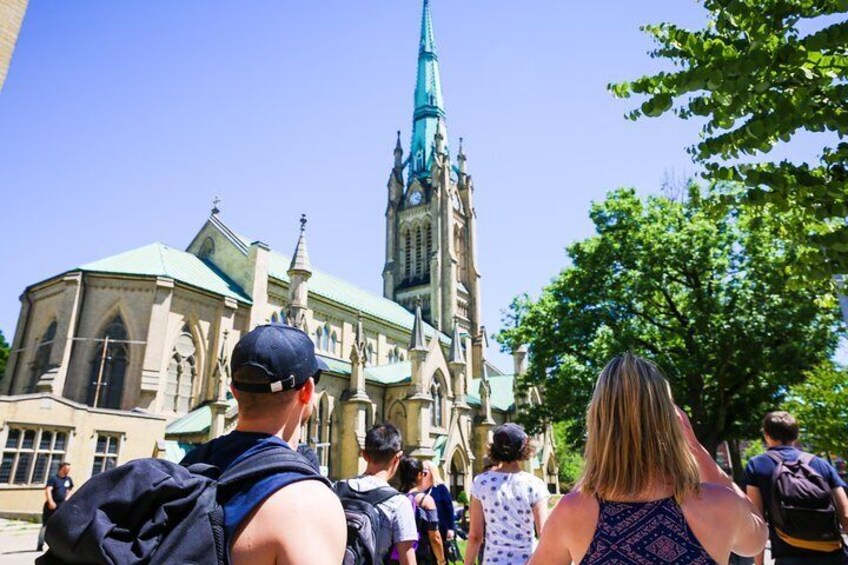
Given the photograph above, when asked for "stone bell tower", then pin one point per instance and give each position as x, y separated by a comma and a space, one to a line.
431, 252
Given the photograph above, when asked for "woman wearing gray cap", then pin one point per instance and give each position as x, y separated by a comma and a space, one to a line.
510, 505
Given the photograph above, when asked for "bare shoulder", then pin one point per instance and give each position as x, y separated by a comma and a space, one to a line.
301, 501
300, 506
716, 502
428, 502
303, 516
575, 508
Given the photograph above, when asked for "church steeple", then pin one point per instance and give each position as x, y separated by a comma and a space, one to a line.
431, 256
429, 104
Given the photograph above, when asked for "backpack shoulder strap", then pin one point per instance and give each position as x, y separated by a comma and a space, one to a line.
378, 495
773, 455
343, 490
267, 462
806, 458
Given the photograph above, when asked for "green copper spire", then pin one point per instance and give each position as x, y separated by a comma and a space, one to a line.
429, 105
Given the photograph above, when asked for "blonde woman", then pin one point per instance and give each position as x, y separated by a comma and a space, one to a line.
436, 487
650, 493
508, 506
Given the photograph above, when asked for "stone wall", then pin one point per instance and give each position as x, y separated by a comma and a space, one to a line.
136, 434
11, 17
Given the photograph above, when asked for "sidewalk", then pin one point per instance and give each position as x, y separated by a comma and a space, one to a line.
17, 542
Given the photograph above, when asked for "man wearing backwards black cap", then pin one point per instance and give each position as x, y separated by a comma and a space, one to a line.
285, 518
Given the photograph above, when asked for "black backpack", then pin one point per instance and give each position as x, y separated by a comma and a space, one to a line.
153, 511
363, 521
801, 500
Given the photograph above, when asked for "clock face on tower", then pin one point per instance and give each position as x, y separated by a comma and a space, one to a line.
415, 198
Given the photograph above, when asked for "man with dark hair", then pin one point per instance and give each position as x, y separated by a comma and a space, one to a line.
57, 489
285, 517
397, 528
785, 471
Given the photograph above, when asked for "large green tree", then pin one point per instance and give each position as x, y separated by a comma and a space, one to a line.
4, 353
820, 404
706, 293
760, 72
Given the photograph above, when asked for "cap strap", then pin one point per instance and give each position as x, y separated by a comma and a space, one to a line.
287, 383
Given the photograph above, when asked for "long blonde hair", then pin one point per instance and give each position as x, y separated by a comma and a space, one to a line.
633, 435
434, 473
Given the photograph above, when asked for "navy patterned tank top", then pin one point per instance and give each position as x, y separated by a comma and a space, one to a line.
643, 533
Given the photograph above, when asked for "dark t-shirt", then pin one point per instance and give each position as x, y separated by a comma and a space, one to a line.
444, 505
61, 486
759, 473
235, 446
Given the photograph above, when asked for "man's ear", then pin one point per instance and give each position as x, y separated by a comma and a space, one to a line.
306, 392
234, 391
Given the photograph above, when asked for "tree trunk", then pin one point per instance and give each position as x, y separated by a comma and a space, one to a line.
734, 448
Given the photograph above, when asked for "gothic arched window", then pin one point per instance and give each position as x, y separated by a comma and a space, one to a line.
41, 360
207, 249
369, 355
325, 338
334, 341
396, 355
419, 264
428, 249
407, 254
438, 414
109, 366
324, 430
459, 246
182, 374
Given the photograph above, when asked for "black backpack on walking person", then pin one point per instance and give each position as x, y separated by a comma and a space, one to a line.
802, 504
363, 522
154, 512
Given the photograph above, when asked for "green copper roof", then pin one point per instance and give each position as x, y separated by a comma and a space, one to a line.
195, 422
159, 260
390, 374
429, 104
439, 448
502, 396
176, 450
382, 374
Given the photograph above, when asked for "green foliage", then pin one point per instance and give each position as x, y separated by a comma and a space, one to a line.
462, 497
820, 404
569, 458
4, 353
755, 80
707, 294
754, 448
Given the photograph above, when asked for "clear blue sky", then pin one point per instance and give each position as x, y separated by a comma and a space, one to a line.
120, 121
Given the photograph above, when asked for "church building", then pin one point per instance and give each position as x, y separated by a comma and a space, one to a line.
128, 356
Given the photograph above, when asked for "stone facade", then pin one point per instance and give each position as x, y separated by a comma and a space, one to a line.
39, 431
11, 16
138, 344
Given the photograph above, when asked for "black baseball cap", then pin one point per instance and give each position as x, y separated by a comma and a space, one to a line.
507, 441
284, 353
